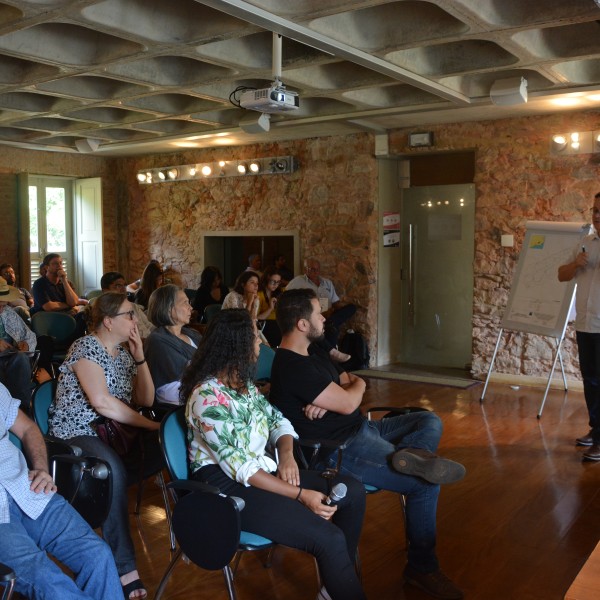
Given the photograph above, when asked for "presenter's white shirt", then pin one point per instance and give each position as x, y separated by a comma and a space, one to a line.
587, 300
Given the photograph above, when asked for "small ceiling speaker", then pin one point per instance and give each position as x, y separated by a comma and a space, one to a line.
506, 92
255, 122
87, 145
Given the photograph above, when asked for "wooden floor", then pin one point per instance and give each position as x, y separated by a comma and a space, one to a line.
518, 527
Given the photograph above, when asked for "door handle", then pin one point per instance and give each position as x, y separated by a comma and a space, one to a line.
412, 238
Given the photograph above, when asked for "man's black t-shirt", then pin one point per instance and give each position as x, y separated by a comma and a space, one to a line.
296, 380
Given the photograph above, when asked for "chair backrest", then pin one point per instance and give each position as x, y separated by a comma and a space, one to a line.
173, 441
207, 528
265, 362
210, 311
94, 293
58, 325
41, 399
15, 440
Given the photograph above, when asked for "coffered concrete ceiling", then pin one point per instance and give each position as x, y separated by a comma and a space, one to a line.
143, 76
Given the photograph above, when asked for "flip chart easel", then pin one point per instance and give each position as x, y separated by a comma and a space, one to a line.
538, 302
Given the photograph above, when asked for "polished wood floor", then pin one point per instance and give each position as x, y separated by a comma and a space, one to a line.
518, 527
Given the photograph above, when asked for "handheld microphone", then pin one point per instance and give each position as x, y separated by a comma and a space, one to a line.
338, 492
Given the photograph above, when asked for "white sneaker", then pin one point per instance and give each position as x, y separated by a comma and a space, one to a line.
323, 595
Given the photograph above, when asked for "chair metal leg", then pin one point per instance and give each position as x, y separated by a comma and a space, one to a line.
163, 488
403, 504
167, 575
7, 580
228, 575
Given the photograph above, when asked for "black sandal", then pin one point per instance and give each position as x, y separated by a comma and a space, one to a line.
133, 586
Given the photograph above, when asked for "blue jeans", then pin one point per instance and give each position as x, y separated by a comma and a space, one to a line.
62, 532
588, 345
368, 458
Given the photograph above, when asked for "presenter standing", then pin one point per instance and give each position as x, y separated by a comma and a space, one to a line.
583, 266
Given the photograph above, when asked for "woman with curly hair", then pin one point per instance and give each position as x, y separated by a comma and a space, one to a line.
244, 446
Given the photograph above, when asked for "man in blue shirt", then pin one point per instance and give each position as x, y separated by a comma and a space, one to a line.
35, 520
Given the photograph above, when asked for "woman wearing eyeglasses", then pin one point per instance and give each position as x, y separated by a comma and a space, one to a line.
170, 347
269, 289
99, 378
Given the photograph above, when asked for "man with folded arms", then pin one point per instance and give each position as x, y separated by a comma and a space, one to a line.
395, 454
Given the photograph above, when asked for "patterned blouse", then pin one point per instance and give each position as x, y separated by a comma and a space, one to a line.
238, 432
235, 300
71, 413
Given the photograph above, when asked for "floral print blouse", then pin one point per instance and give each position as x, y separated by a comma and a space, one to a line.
71, 413
239, 432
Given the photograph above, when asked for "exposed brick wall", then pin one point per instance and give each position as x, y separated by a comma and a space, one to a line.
331, 200
8, 224
517, 180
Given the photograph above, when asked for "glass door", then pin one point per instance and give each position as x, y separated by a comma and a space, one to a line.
437, 275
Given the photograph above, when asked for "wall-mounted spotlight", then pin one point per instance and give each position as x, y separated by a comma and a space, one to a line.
575, 142
271, 165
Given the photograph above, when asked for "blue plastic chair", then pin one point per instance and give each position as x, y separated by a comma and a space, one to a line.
173, 441
265, 363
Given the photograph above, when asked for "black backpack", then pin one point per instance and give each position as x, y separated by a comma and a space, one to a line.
354, 343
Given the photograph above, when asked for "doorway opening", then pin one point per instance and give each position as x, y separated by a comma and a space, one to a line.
426, 280
229, 250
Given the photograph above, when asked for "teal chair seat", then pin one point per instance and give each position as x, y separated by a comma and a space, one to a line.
173, 441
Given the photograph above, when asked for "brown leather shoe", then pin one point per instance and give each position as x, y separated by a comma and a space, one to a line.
436, 584
585, 440
593, 453
428, 466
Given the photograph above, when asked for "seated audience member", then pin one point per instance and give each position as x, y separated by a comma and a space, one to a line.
280, 265
25, 301
334, 310
212, 290
239, 443
152, 278
396, 454
53, 291
244, 294
97, 381
134, 286
254, 264
269, 289
34, 520
170, 347
115, 282
16, 339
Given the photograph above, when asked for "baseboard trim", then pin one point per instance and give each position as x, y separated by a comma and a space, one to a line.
557, 383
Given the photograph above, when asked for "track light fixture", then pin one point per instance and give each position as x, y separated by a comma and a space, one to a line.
272, 165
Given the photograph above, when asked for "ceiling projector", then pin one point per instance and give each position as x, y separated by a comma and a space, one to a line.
274, 99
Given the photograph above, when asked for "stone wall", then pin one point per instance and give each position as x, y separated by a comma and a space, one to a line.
517, 179
331, 201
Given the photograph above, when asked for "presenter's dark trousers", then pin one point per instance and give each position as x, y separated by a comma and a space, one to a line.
589, 363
